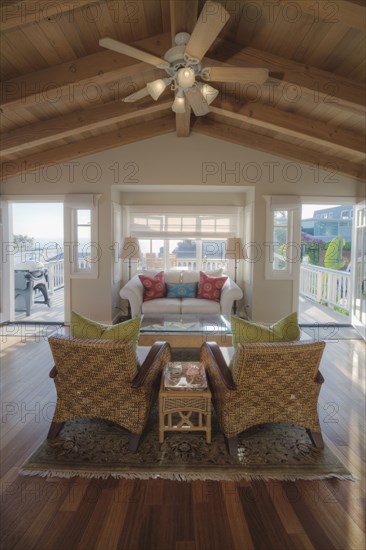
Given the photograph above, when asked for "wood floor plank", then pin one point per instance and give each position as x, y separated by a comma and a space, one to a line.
54, 514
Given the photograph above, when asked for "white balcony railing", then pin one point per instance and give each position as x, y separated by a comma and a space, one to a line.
327, 286
55, 275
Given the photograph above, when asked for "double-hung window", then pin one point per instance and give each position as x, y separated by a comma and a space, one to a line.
183, 238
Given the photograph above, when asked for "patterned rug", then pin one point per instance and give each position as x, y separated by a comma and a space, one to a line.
94, 448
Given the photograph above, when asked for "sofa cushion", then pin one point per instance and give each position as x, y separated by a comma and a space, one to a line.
195, 305
162, 305
154, 287
194, 276
187, 290
173, 277
209, 288
285, 330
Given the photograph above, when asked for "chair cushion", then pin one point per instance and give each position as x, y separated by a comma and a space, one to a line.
209, 288
195, 305
154, 287
162, 305
127, 331
187, 290
285, 330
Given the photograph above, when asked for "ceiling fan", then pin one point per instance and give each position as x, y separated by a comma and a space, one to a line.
183, 64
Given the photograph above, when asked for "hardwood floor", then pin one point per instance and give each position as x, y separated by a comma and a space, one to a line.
80, 513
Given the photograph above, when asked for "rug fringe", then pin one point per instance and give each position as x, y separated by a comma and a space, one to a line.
180, 476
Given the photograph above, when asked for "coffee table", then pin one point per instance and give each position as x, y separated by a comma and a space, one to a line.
187, 330
182, 409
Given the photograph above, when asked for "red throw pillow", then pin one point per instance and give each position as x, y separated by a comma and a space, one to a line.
209, 288
154, 287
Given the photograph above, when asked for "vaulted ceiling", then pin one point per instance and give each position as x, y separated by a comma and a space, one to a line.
61, 92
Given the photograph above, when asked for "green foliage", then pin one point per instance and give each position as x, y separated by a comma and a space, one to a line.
333, 256
23, 241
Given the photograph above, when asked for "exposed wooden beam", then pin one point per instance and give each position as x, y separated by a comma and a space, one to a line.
183, 17
72, 78
349, 13
280, 148
17, 14
96, 144
317, 85
76, 123
104, 67
294, 125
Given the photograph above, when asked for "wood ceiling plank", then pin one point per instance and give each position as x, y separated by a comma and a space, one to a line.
76, 123
183, 16
289, 151
294, 125
96, 69
349, 13
88, 146
121, 19
323, 86
25, 12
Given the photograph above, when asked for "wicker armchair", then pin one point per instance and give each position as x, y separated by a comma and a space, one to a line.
99, 378
276, 382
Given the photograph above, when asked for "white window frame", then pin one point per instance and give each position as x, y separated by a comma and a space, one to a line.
292, 205
74, 203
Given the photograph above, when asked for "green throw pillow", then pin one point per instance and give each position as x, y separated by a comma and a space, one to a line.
127, 331
285, 330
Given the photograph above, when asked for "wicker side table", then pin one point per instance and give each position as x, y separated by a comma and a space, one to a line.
190, 407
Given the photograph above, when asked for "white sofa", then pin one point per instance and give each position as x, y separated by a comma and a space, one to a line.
133, 291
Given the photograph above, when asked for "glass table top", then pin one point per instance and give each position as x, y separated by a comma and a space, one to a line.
188, 322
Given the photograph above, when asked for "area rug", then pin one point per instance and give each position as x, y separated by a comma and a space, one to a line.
97, 449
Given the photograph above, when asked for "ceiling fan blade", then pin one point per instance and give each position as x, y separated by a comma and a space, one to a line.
197, 102
210, 22
235, 74
136, 95
125, 49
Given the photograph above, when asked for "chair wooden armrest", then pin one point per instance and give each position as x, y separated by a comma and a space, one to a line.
156, 349
220, 364
53, 372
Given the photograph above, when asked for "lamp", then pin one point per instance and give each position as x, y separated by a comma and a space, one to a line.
208, 92
235, 251
186, 77
157, 87
179, 104
130, 250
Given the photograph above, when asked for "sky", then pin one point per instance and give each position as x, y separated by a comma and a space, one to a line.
38, 220
45, 220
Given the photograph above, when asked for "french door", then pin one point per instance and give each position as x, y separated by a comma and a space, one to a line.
358, 267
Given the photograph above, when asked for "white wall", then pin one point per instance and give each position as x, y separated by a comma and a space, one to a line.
189, 163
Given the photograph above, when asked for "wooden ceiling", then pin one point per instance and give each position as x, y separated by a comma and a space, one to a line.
61, 92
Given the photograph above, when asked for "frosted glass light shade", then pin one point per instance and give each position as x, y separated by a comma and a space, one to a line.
179, 105
186, 77
156, 88
209, 93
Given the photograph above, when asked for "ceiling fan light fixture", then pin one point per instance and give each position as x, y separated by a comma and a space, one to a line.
156, 88
208, 92
179, 105
186, 77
